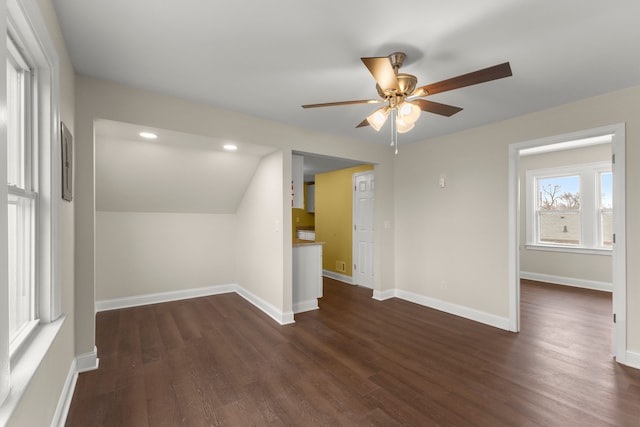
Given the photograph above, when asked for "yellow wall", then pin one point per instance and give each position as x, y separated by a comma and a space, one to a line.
334, 217
300, 217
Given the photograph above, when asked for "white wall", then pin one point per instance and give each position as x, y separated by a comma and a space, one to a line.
147, 253
261, 234
452, 243
563, 265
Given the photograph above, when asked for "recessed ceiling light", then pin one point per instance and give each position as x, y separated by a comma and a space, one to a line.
148, 135
230, 147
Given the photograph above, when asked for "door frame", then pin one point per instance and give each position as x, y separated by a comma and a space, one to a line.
354, 216
619, 279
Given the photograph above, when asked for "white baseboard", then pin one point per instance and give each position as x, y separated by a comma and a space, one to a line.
632, 359
567, 281
383, 295
87, 361
337, 276
277, 315
64, 401
138, 300
455, 309
303, 306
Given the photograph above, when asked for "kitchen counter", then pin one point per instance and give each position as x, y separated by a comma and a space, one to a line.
300, 242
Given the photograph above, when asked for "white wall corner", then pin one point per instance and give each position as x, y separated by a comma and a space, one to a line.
64, 402
87, 361
455, 309
283, 318
632, 359
303, 306
383, 295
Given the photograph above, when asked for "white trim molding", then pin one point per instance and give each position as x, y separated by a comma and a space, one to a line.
283, 318
155, 298
64, 401
337, 276
87, 361
383, 295
455, 309
303, 306
632, 359
25, 362
568, 281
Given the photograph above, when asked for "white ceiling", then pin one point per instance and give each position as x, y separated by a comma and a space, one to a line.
268, 58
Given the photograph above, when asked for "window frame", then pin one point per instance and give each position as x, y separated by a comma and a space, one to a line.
18, 364
589, 207
25, 189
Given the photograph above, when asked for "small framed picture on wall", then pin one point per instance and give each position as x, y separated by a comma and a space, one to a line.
67, 162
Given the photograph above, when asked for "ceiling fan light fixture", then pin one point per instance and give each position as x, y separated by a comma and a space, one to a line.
409, 112
378, 118
403, 126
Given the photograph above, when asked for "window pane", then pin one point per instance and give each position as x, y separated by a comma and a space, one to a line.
16, 149
561, 227
559, 193
559, 210
21, 270
606, 209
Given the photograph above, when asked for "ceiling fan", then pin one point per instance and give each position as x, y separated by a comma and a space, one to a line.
402, 98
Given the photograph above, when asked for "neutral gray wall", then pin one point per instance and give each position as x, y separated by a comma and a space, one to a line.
459, 234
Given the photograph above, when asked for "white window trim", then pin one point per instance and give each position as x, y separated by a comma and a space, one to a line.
27, 26
589, 214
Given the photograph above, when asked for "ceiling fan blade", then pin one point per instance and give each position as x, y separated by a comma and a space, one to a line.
363, 123
480, 76
332, 104
382, 71
436, 107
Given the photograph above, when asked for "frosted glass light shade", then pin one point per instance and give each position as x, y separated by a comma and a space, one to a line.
403, 126
378, 117
409, 112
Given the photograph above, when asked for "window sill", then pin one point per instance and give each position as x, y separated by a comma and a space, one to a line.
25, 363
573, 250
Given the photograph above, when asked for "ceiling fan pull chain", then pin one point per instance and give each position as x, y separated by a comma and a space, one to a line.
394, 128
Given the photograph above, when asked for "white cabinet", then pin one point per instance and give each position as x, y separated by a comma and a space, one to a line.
307, 277
311, 198
297, 181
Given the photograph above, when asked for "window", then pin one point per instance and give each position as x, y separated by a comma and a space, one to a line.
570, 207
30, 184
22, 195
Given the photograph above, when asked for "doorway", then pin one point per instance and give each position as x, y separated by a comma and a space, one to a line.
618, 257
363, 229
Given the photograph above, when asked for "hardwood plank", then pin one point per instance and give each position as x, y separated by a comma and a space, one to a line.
218, 360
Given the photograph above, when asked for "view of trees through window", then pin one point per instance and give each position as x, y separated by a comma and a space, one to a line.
559, 210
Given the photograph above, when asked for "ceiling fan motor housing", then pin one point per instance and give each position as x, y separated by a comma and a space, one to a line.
406, 82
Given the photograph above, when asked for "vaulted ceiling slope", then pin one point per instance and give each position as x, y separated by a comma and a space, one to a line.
266, 59
175, 173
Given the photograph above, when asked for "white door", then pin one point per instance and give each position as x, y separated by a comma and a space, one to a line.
363, 197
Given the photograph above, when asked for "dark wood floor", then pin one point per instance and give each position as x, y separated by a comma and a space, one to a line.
219, 361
